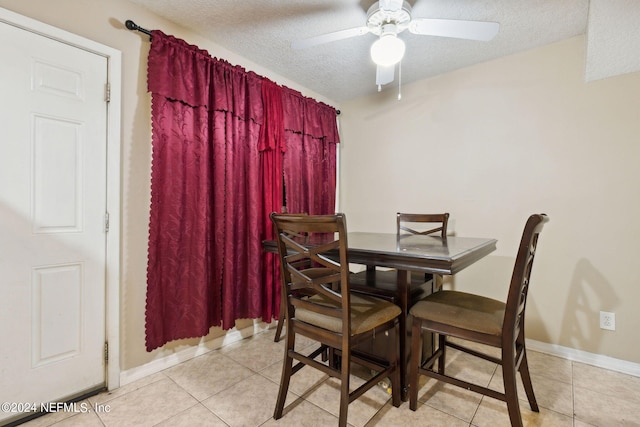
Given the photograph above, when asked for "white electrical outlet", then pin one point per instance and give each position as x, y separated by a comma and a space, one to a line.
607, 321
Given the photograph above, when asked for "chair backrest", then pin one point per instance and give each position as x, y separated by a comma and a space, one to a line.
313, 260
513, 325
422, 223
301, 237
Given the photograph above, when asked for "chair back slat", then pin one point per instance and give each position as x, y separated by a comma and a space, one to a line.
313, 275
416, 223
425, 232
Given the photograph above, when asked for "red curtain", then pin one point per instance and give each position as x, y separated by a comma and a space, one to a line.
271, 147
311, 136
180, 222
216, 175
237, 195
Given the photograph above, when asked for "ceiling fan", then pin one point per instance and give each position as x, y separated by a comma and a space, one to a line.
387, 19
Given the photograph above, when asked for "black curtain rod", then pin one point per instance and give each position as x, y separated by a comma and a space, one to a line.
134, 27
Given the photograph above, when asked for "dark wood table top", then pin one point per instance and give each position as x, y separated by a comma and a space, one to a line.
430, 254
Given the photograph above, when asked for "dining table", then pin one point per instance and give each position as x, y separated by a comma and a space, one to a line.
408, 253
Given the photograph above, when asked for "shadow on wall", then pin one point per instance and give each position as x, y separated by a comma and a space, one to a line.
589, 293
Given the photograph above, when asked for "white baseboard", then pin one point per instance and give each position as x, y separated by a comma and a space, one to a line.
598, 360
232, 336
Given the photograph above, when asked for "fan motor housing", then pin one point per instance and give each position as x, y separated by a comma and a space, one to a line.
377, 18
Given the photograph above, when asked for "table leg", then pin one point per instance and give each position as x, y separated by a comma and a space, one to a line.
403, 281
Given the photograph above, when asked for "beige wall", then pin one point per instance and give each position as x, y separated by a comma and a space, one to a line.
496, 142
103, 22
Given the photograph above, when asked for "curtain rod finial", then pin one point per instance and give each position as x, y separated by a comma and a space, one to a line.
134, 27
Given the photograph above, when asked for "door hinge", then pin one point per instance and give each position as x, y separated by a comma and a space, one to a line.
107, 92
106, 351
106, 222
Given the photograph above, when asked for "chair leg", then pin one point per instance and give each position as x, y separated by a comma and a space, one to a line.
511, 392
287, 369
396, 392
442, 346
344, 387
526, 381
333, 358
281, 317
416, 356
278, 330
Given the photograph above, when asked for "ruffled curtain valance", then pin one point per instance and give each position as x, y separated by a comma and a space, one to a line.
169, 60
214, 84
309, 117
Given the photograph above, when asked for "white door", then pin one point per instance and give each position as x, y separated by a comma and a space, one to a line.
53, 118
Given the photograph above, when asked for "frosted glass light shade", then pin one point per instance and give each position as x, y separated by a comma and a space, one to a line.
387, 50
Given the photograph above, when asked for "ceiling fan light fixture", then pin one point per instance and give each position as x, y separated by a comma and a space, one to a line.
387, 50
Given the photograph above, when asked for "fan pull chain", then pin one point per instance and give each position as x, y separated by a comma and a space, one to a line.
399, 80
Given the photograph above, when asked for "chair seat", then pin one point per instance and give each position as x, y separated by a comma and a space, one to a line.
367, 313
462, 310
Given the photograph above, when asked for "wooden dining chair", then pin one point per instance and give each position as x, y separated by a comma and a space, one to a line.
482, 320
382, 283
336, 319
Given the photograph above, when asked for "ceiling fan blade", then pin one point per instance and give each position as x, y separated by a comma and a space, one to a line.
384, 75
329, 37
470, 30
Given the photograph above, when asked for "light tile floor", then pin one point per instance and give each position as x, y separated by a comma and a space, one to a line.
238, 384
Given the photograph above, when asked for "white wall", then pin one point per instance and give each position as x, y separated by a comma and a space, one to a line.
492, 144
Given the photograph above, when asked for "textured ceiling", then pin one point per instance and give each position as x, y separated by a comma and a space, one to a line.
262, 31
